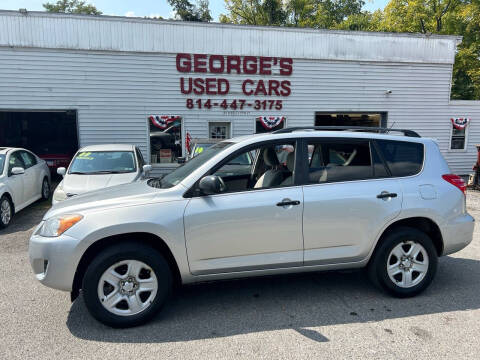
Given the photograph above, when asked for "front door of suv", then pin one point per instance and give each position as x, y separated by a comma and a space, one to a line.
256, 223
349, 197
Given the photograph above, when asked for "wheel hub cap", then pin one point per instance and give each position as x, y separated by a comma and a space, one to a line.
128, 286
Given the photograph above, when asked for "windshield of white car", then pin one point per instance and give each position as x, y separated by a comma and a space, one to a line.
190, 166
2, 162
103, 162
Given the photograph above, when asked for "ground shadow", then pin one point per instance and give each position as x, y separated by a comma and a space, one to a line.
296, 302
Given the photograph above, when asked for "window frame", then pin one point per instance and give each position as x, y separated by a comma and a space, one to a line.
465, 144
222, 123
298, 170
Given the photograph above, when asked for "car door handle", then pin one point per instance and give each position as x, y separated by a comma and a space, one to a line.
288, 202
385, 194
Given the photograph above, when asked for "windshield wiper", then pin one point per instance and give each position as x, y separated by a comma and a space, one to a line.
78, 173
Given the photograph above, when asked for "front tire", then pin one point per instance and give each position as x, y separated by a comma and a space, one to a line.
6, 211
126, 285
405, 262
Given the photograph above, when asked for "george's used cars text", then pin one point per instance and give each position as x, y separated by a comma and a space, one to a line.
305, 201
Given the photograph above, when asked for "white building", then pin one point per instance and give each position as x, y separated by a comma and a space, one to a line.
112, 79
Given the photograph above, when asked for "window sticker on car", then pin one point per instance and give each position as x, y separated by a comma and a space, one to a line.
85, 155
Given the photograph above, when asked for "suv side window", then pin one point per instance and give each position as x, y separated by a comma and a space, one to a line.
339, 160
15, 161
403, 158
28, 159
274, 167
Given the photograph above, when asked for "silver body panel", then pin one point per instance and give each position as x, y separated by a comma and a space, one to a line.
336, 225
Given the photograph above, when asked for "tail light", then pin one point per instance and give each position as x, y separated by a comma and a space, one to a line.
456, 181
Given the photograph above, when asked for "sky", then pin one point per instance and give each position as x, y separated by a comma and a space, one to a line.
142, 8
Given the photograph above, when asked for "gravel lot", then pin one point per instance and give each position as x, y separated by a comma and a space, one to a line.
321, 315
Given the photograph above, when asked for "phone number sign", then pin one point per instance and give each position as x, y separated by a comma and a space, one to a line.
214, 84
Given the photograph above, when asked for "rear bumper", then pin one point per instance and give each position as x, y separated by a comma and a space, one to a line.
457, 234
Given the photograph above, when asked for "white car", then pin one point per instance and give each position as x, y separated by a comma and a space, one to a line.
24, 178
99, 166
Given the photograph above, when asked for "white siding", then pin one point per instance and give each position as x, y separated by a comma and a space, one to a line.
114, 93
103, 33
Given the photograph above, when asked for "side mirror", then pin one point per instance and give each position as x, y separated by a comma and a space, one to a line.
210, 185
61, 171
181, 160
18, 171
147, 168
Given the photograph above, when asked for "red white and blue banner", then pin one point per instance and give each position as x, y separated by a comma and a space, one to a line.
460, 123
162, 121
270, 122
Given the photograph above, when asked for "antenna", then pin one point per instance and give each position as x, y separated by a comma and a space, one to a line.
390, 128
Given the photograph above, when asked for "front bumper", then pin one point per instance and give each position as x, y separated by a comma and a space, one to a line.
54, 260
457, 234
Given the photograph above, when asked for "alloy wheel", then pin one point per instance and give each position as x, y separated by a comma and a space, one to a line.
407, 264
5, 211
127, 287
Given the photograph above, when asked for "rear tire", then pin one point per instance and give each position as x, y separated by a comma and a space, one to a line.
6, 212
126, 285
45, 189
405, 263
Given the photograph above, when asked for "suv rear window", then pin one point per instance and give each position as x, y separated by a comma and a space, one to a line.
403, 158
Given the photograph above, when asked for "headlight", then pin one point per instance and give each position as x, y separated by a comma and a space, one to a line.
59, 194
57, 225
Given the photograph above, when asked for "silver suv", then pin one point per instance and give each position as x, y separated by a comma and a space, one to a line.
312, 200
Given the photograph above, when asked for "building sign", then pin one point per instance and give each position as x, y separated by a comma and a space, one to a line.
217, 87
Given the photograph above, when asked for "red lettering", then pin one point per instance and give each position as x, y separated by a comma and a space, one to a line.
211, 86
250, 65
198, 86
273, 86
211, 64
286, 66
233, 63
285, 85
184, 63
244, 87
223, 90
260, 90
265, 66
200, 63
182, 86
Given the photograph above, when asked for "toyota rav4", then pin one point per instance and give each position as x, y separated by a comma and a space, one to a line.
312, 200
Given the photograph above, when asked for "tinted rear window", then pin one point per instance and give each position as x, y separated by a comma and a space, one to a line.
403, 158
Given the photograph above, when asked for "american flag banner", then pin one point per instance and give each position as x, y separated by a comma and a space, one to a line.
270, 122
162, 121
460, 123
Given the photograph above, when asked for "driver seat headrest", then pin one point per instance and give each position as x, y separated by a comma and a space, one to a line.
270, 157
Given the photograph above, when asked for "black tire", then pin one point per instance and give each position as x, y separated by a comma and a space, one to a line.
5, 199
45, 189
113, 255
377, 268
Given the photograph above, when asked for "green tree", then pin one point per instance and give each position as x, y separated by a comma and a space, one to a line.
187, 11
72, 7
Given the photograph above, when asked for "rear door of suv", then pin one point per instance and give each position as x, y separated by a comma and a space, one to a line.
349, 196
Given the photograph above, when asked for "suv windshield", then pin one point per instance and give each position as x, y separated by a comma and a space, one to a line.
190, 166
103, 162
2, 162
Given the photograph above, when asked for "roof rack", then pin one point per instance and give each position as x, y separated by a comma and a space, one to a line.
379, 130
